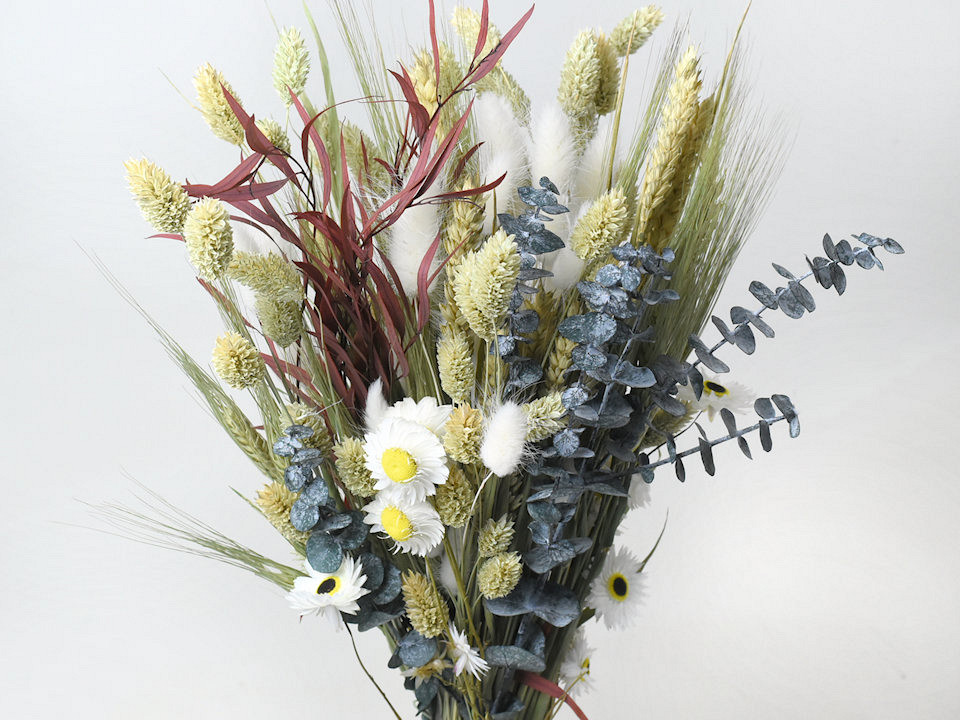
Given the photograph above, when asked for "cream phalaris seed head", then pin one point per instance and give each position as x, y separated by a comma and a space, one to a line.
269, 274
454, 499
291, 65
275, 134
495, 537
237, 361
275, 500
281, 320
424, 76
635, 29
210, 83
464, 433
426, 609
484, 283
499, 575
351, 466
609, 85
543, 416
455, 363
601, 227
163, 202
209, 238
580, 77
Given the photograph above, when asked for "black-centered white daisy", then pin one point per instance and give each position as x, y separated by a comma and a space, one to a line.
329, 594
406, 460
718, 393
616, 592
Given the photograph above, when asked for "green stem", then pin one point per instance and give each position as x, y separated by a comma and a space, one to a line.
367, 673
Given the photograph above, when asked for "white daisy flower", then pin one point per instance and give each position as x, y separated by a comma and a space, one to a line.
415, 527
575, 668
405, 459
426, 412
639, 494
616, 592
718, 395
464, 656
329, 594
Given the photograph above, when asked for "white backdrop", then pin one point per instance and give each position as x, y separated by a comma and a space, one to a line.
820, 581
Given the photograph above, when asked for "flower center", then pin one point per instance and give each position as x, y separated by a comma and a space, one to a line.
396, 524
329, 586
399, 465
618, 587
715, 388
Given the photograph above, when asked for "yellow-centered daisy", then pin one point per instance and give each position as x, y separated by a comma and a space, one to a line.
414, 527
616, 592
405, 460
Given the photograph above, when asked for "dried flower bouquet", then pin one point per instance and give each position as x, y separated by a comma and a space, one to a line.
471, 331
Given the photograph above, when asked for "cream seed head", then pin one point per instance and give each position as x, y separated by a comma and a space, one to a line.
163, 202
634, 30
275, 133
275, 500
464, 433
495, 537
237, 361
499, 575
426, 609
210, 84
209, 238
351, 464
543, 416
455, 363
580, 77
484, 283
601, 227
454, 499
291, 65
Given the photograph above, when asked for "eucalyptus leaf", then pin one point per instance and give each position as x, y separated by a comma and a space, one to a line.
592, 328
511, 656
296, 476
415, 650
706, 455
323, 552
303, 516
556, 604
315, 493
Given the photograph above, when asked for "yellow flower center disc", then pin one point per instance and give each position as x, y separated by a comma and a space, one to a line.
329, 586
396, 524
399, 465
618, 587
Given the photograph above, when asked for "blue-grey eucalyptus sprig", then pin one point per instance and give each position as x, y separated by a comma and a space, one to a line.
766, 409
317, 508
793, 299
532, 238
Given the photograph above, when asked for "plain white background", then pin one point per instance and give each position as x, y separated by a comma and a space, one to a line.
820, 581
